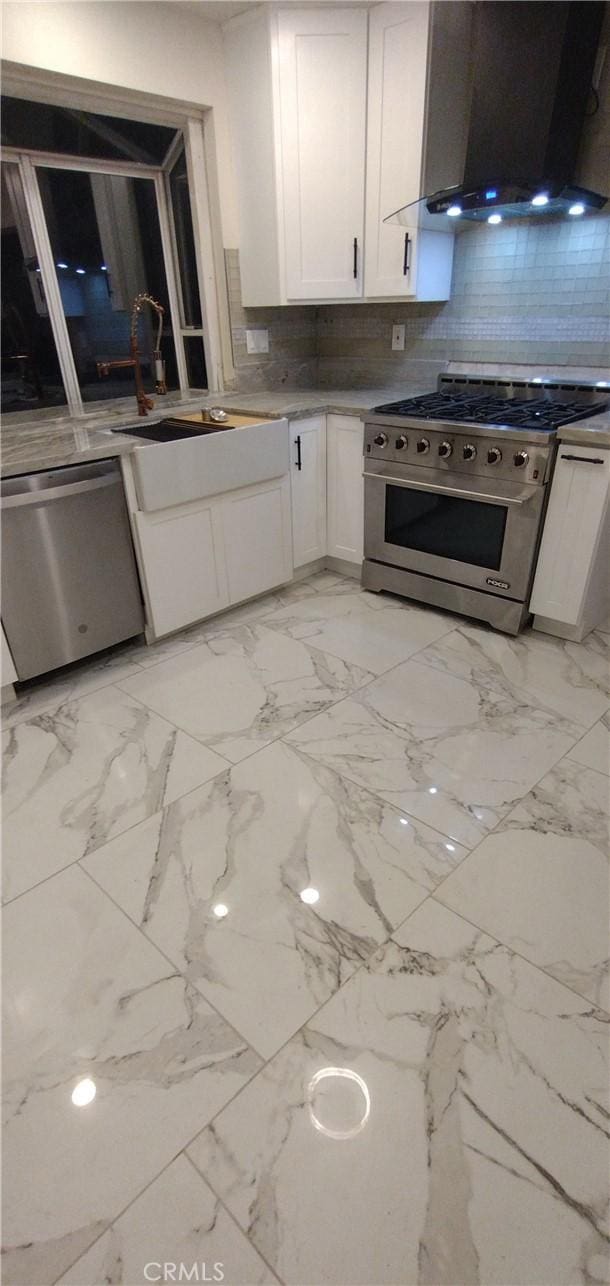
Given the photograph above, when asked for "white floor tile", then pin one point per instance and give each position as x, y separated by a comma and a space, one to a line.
440, 1120
84, 771
250, 843
244, 688
87, 997
177, 1221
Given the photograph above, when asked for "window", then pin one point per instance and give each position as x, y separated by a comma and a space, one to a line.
97, 210
31, 375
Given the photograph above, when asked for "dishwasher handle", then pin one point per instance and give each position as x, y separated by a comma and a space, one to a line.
46, 496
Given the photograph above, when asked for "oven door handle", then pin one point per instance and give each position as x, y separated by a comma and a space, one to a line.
462, 492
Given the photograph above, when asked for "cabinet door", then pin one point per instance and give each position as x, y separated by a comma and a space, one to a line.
182, 559
322, 105
398, 43
257, 539
308, 449
345, 489
574, 522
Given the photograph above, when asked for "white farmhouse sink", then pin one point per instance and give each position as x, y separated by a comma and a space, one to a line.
172, 473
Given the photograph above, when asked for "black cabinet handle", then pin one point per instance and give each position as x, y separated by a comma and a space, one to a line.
405, 263
584, 459
297, 443
355, 256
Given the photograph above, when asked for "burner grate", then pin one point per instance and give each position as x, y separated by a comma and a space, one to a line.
521, 413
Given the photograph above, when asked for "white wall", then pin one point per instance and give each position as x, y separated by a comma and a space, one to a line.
159, 49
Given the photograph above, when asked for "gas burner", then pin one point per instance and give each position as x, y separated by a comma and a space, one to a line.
535, 413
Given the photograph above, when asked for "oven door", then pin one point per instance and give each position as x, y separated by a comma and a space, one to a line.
470, 531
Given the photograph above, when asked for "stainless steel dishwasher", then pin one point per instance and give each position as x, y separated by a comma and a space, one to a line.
69, 580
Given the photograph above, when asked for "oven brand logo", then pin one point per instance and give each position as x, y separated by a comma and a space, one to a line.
181, 1272
499, 584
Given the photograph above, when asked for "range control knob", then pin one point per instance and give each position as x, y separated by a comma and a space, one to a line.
445, 450
381, 440
494, 455
520, 458
423, 446
469, 451
401, 442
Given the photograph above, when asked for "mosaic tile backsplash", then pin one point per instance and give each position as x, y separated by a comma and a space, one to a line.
522, 292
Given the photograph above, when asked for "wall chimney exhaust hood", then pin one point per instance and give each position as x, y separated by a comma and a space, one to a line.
531, 73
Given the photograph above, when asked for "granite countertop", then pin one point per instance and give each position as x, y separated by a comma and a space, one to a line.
593, 432
30, 446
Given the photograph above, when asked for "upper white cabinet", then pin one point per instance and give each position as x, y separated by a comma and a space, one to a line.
400, 261
330, 114
322, 108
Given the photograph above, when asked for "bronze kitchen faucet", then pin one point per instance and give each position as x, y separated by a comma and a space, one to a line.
145, 404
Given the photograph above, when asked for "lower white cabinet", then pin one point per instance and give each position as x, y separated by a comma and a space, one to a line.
182, 559
308, 478
345, 487
571, 583
257, 539
198, 558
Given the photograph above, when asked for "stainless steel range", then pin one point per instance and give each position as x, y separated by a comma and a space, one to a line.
455, 490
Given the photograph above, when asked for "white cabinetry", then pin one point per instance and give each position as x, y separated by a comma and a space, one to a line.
571, 588
196, 559
308, 473
322, 108
182, 559
307, 164
400, 261
345, 487
256, 533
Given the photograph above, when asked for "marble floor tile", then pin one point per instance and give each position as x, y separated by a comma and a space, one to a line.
256, 609
250, 843
453, 752
245, 687
177, 1220
371, 630
87, 998
594, 749
541, 882
84, 771
440, 1121
571, 680
70, 683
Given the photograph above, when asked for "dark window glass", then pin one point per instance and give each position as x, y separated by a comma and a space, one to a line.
106, 241
185, 242
195, 361
44, 128
31, 378
467, 530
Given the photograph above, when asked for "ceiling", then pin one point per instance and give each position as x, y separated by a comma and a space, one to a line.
222, 10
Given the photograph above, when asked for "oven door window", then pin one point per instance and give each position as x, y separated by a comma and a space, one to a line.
470, 531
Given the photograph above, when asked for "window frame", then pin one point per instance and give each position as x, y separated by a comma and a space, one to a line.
191, 132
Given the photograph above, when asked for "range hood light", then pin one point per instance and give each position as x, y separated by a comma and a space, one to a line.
454, 211
578, 208
540, 199
495, 218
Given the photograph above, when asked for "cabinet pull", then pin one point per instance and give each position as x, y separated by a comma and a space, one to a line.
405, 263
297, 443
355, 256
583, 459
